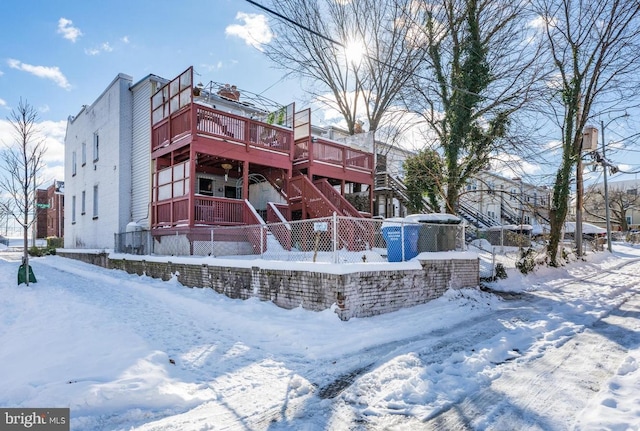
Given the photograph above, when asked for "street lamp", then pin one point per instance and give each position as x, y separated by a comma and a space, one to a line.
606, 187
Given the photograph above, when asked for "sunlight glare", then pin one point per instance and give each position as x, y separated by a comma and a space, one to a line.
354, 52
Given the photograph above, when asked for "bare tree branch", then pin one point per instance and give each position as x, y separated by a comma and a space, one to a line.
364, 88
595, 49
23, 161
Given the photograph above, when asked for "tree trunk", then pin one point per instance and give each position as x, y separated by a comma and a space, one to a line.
25, 255
559, 208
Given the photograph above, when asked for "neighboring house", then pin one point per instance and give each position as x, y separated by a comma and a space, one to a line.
487, 200
490, 199
208, 157
50, 212
390, 196
624, 204
41, 214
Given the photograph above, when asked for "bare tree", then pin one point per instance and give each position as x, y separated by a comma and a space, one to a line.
23, 162
595, 52
319, 39
482, 69
621, 200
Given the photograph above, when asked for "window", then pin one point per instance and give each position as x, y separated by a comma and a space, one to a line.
73, 163
83, 203
84, 153
95, 202
96, 147
172, 181
73, 209
205, 186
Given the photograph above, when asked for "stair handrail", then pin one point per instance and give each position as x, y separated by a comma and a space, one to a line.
344, 206
477, 218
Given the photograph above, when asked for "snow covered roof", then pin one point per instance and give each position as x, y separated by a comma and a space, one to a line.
433, 218
511, 227
570, 227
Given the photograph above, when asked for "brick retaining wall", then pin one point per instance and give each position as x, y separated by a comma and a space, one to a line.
357, 294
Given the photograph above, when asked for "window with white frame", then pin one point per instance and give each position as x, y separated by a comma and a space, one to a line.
83, 203
96, 147
84, 153
73, 163
95, 201
73, 209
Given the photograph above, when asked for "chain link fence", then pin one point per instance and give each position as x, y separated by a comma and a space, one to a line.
137, 242
334, 239
506, 247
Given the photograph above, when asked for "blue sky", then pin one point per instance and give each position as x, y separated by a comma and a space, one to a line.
60, 55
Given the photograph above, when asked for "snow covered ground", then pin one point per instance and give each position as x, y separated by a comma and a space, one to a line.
555, 350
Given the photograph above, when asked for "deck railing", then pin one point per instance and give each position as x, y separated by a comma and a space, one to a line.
210, 211
250, 132
218, 211
203, 120
277, 222
301, 188
333, 154
171, 212
343, 205
200, 119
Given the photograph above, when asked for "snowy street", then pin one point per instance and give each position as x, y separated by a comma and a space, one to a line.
556, 350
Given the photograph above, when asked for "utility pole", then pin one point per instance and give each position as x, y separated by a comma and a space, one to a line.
606, 191
605, 165
579, 202
577, 232
588, 143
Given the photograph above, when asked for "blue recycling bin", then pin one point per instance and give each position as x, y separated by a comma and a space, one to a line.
392, 232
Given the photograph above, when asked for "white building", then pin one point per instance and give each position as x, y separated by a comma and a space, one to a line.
107, 164
499, 200
624, 204
108, 171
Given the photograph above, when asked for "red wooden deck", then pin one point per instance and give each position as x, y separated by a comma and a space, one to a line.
186, 130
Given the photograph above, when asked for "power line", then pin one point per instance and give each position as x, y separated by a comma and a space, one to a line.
366, 55
297, 24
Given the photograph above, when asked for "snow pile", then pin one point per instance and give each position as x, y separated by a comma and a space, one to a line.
561, 349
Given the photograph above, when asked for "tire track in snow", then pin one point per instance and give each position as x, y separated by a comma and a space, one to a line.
526, 396
469, 336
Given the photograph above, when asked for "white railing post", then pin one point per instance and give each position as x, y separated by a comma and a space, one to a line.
335, 237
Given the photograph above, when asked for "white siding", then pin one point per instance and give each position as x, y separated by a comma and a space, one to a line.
141, 152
